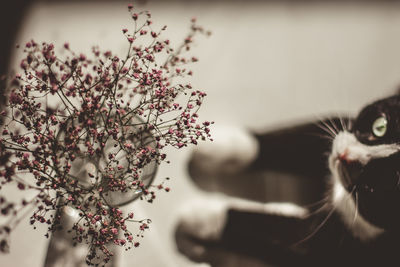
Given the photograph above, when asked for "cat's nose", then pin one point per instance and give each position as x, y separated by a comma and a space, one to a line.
344, 157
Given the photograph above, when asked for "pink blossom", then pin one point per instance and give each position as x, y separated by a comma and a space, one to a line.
122, 111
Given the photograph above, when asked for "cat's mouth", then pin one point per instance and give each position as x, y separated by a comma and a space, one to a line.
378, 176
349, 174
375, 188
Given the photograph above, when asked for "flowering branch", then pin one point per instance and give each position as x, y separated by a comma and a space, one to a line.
89, 132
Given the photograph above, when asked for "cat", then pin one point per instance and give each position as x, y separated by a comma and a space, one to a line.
356, 223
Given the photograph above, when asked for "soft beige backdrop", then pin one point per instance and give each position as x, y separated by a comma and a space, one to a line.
266, 64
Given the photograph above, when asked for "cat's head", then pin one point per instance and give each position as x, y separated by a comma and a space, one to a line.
365, 164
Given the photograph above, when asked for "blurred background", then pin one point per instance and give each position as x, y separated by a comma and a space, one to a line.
267, 65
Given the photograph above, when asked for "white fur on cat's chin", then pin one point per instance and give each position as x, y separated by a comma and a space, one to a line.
346, 143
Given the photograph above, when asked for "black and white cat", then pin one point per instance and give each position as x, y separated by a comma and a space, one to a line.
357, 223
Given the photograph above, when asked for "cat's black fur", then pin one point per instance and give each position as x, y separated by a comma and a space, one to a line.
334, 235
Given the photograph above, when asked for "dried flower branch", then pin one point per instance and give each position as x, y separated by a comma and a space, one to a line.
89, 132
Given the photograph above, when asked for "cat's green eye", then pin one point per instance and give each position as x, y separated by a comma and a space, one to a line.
379, 127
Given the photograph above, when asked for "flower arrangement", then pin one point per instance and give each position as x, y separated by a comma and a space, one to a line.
88, 132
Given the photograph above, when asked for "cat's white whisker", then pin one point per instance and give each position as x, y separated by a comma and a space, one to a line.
342, 123
331, 138
320, 209
327, 130
346, 207
356, 209
349, 124
334, 126
316, 230
318, 202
